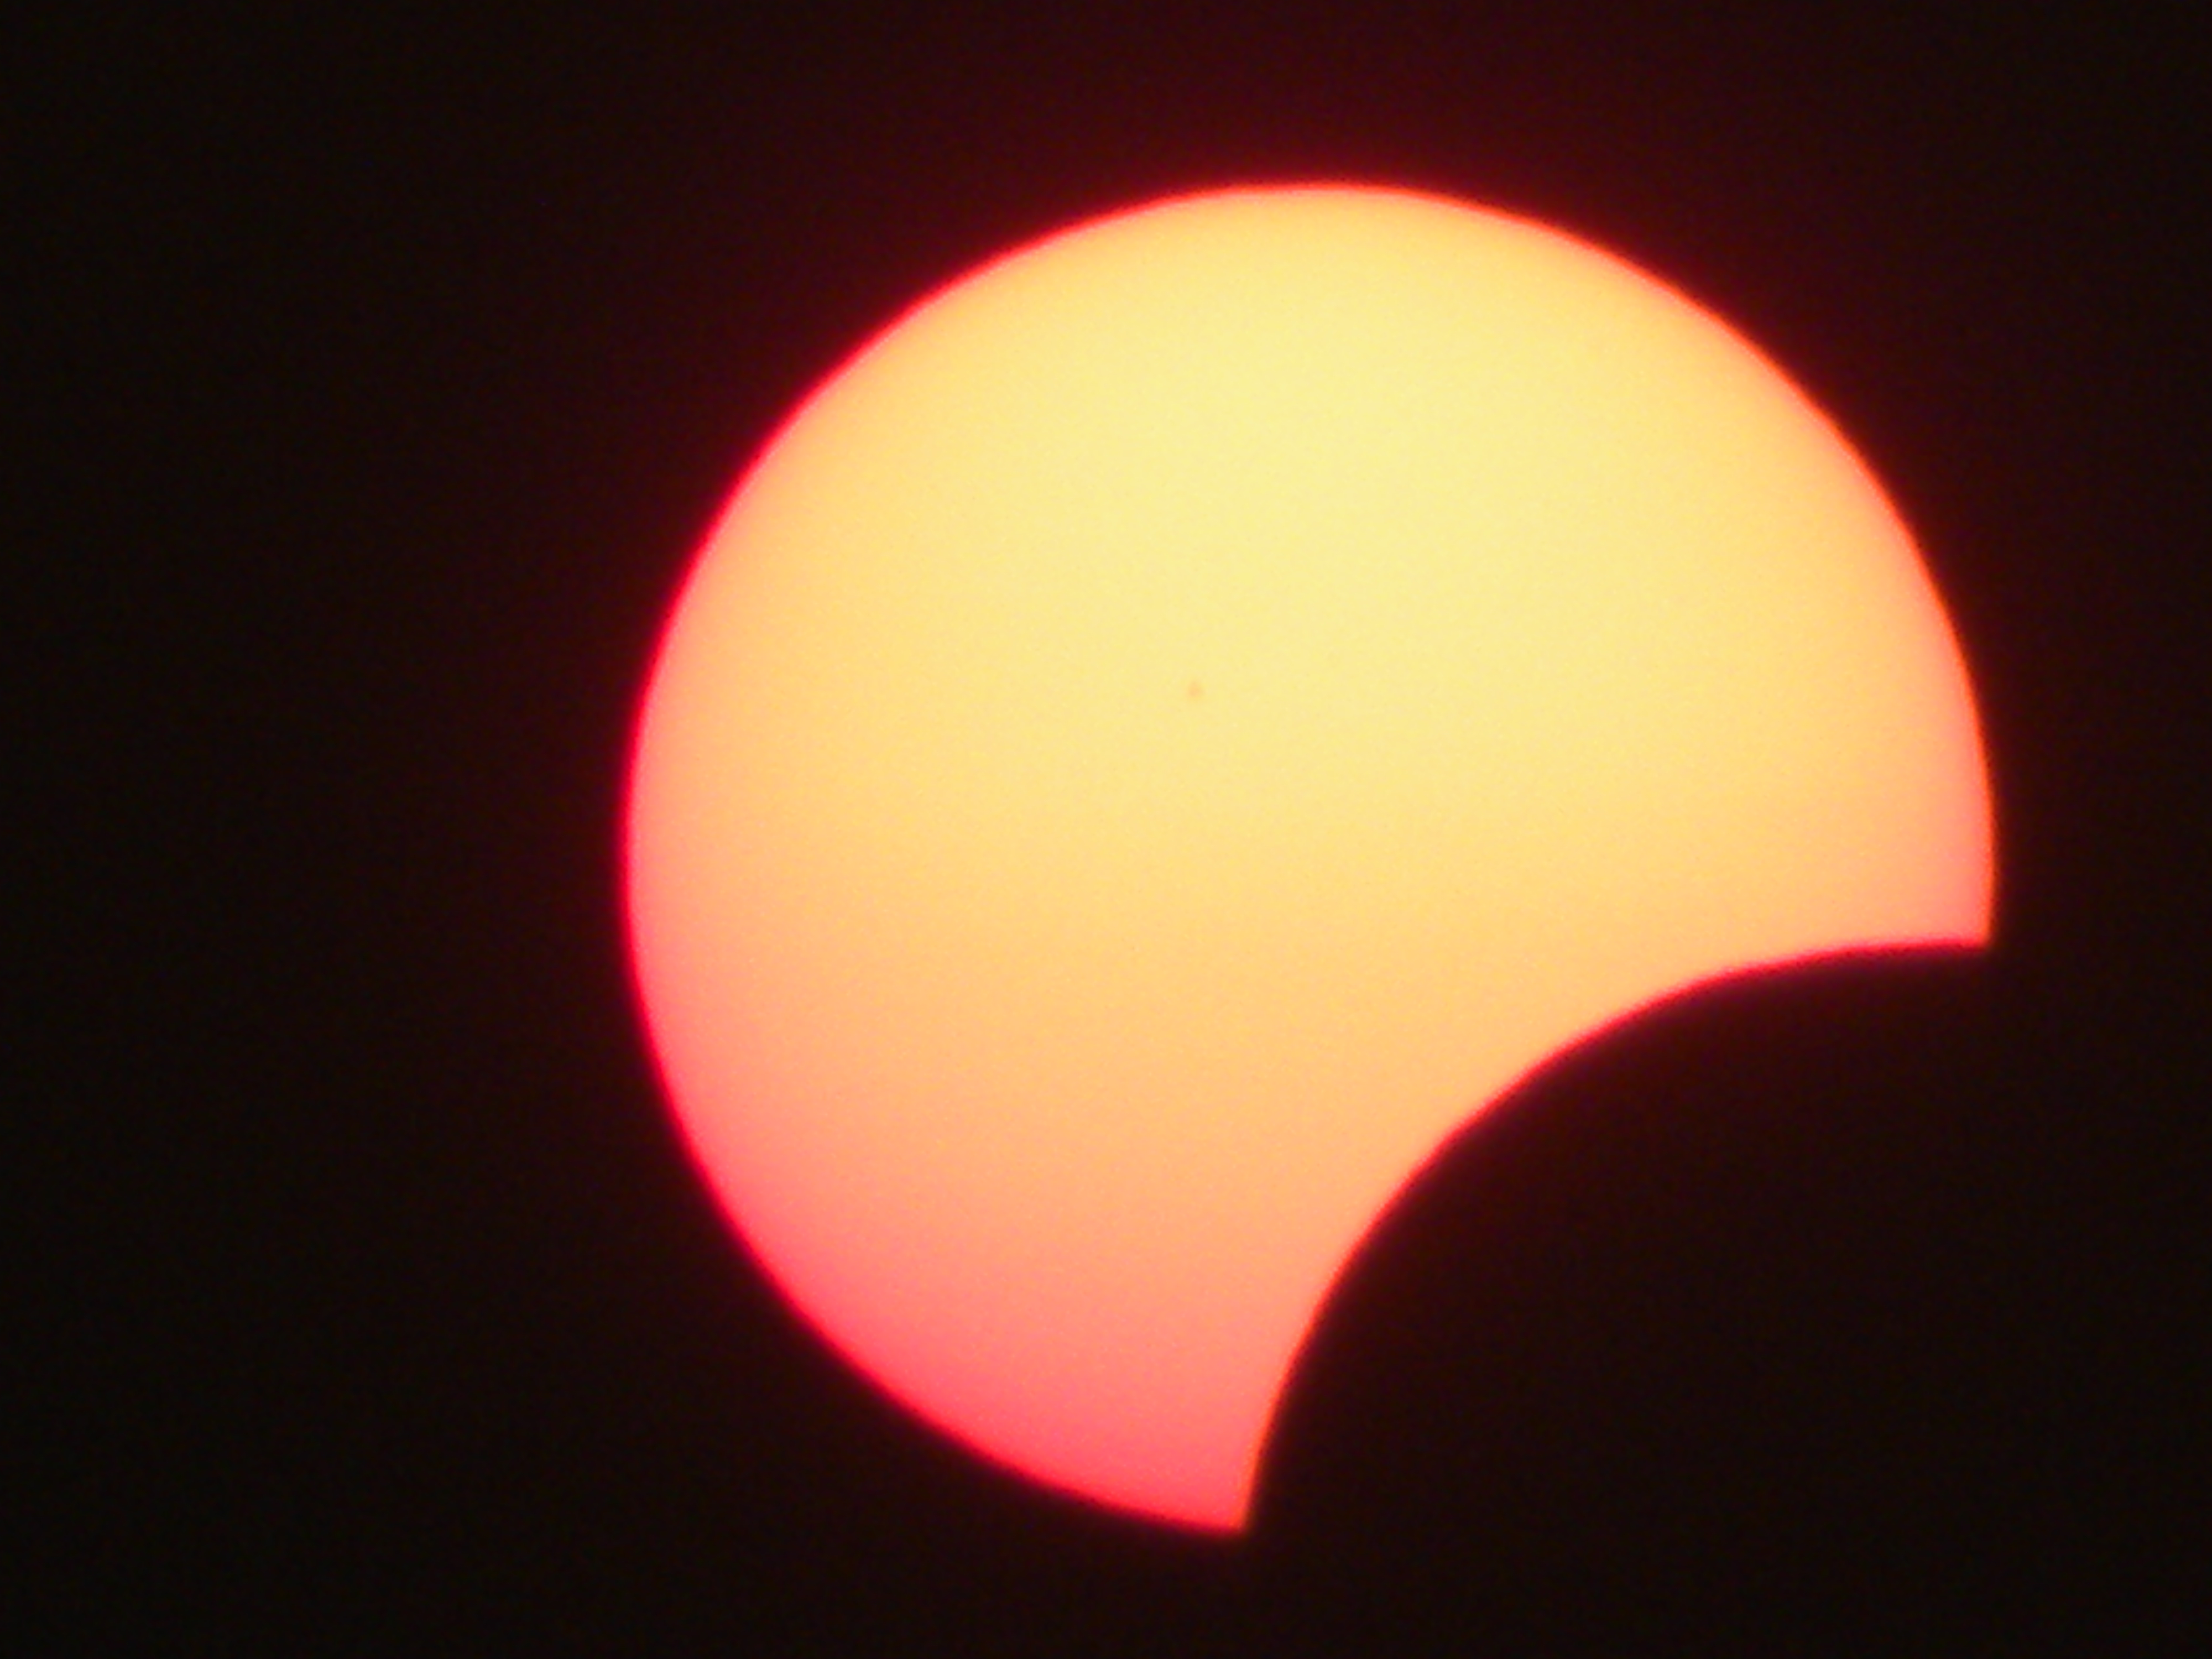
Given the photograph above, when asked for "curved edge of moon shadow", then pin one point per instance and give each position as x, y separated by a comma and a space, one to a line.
1692, 1320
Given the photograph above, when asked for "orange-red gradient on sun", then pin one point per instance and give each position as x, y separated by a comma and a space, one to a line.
1195, 710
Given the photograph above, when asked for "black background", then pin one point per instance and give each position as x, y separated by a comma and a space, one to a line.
377, 376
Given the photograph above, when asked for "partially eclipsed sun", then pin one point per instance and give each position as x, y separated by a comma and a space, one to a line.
1190, 713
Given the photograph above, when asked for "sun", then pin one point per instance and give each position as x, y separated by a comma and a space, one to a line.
1191, 712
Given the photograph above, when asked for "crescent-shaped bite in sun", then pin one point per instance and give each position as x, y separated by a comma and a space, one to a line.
1195, 710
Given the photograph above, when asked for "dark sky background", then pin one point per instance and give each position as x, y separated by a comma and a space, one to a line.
379, 375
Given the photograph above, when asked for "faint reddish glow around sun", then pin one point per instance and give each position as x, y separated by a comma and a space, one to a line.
1195, 710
